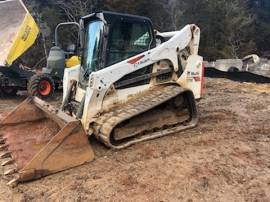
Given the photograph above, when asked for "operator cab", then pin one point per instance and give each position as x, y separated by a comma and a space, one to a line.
111, 37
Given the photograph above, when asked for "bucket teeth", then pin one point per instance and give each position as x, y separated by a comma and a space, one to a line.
14, 182
10, 171
7, 162
2, 140
5, 155
3, 147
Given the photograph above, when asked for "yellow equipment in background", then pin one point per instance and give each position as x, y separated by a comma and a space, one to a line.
18, 31
24, 40
73, 61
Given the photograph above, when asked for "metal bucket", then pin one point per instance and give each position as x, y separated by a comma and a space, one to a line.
37, 139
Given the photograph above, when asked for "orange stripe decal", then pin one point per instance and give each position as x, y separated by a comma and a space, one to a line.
135, 60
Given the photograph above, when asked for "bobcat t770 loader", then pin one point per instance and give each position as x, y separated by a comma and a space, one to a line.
133, 84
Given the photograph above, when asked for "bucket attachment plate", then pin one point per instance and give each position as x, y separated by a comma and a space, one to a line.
37, 139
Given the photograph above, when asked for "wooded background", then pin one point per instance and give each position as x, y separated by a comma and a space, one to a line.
229, 28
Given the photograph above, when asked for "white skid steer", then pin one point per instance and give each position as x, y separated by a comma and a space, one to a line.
133, 84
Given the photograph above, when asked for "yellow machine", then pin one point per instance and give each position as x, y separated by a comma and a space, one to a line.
73, 61
18, 31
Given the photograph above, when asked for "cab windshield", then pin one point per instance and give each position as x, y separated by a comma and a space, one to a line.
93, 46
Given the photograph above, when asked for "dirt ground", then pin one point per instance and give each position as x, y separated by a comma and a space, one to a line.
225, 158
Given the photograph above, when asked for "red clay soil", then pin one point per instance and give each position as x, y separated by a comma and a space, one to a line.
27, 139
225, 158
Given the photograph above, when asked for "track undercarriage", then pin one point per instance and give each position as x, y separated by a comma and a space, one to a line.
164, 110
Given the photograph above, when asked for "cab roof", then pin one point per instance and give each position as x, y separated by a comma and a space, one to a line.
109, 17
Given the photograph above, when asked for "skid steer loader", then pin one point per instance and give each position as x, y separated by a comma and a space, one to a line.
128, 88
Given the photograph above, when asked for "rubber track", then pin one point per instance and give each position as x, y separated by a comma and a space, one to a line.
105, 124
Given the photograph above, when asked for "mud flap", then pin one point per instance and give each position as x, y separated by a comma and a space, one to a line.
37, 139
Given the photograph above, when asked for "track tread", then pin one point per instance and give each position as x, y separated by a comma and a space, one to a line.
108, 120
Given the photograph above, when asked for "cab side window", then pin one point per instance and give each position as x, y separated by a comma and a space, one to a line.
126, 40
